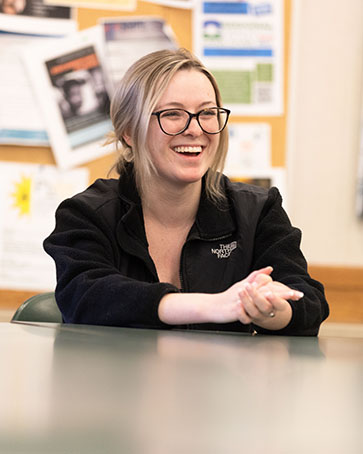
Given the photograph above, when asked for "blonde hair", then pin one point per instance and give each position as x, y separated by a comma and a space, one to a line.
133, 103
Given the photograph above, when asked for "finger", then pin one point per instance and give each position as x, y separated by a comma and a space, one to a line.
262, 304
295, 295
262, 280
244, 317
248, 299
281, 290
277, 302
252, 276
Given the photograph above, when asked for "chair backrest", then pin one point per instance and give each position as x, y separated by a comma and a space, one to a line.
39, 308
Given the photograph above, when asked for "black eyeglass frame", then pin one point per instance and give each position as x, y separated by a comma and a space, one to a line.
191, 116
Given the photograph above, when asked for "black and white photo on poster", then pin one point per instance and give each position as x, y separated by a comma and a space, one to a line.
80, 91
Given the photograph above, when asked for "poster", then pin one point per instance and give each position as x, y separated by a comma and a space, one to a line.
25, 23
81, 93
141, 34
73, 92
249, 157
241, 42
184, 4
249, 148
21, 122
35, 17
124, 5
29, 196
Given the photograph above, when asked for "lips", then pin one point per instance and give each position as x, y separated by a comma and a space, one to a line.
188, 150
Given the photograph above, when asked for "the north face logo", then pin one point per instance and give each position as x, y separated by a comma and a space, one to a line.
224, 250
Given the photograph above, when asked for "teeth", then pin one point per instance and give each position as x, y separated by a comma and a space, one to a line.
188, 149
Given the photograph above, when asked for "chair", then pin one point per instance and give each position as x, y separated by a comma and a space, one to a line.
39, 308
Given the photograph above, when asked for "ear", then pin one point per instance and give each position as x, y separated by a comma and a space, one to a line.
127, 138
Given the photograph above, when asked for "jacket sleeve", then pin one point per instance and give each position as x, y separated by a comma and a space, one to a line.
277, 243
90, 288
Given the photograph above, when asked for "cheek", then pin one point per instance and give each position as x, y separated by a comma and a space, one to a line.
152, 141
214, 144
155, 137
157, 144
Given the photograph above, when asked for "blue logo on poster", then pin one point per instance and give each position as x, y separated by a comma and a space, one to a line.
212, 29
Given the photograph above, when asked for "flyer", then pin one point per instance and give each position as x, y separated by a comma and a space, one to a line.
29, 196
241, 42
249, 148
73, 92
21, 122
128, 39
34, 16
184, 4
25, 23
125, 5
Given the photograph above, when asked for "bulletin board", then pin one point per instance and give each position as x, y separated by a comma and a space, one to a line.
180, 20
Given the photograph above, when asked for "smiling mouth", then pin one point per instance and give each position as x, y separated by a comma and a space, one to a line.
188, 151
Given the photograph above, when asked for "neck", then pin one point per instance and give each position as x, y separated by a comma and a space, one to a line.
172, 207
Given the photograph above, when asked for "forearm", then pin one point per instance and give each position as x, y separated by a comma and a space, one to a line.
106, 298
185, 308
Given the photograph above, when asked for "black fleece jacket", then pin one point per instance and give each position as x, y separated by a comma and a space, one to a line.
105, 275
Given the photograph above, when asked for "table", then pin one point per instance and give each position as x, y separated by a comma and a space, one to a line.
83, 389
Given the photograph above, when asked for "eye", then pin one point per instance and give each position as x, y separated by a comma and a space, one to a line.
172, 114
208, 113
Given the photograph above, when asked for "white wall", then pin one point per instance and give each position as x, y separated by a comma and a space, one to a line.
323, 128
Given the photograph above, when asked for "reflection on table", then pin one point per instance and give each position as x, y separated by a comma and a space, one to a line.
82, 389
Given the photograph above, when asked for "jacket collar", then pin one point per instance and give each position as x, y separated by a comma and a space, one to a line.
127, 186
133, 219
214, 220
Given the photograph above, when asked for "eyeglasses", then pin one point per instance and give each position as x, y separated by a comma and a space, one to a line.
175, 121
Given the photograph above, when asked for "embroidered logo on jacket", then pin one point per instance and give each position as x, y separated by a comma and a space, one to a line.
224, 250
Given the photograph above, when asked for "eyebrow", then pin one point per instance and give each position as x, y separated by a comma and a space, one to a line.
179, 105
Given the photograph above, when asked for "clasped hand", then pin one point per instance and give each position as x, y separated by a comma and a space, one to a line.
256, 299
260, 300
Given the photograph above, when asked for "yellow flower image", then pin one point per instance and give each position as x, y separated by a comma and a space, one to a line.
22, 195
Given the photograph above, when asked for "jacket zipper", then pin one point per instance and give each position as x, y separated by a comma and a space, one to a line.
189, 325
182, 255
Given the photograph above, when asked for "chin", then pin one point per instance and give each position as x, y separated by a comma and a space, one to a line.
193, 177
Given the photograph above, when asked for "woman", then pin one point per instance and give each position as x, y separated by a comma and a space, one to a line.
173, 243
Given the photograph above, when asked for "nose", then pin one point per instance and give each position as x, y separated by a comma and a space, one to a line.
193, 128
